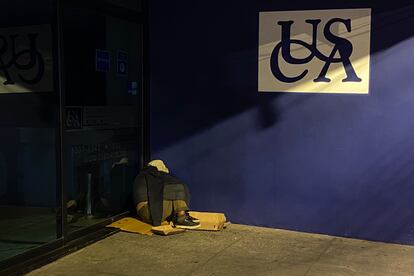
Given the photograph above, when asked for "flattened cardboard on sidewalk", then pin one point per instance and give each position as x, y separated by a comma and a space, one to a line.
132, 225
166, 230
210, 221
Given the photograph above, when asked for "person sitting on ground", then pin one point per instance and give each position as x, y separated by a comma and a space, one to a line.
159, 197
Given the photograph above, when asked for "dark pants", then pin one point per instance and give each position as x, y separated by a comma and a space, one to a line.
169, 207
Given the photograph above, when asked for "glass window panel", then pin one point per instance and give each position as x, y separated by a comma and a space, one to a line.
27, 189
103, 86
28, 126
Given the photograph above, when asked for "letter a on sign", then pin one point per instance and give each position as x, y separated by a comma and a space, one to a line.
320, 51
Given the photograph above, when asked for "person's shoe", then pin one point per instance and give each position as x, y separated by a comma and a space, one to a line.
192, 218
186, 223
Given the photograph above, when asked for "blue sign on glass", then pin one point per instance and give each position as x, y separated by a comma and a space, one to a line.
103, 61
132, 88
122, 63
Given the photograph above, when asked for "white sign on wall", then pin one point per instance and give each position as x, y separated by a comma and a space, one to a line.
315, 51
26, 59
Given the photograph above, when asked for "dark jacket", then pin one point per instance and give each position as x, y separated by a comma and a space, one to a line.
155, 186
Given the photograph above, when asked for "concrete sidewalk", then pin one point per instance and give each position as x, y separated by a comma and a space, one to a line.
238, 250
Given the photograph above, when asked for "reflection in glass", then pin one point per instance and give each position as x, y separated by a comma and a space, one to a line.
27, 189
100, 169
103, 77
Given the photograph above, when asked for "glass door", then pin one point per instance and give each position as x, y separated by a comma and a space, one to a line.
29, 128
103, 89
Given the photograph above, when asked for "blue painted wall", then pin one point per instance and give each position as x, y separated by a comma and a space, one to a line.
334, 164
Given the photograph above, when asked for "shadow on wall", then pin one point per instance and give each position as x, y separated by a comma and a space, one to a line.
215, 74
334, 164
388, 216
343, 170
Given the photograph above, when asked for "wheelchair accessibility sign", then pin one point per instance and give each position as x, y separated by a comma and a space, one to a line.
316, 51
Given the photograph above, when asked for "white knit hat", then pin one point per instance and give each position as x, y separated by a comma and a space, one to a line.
159, 164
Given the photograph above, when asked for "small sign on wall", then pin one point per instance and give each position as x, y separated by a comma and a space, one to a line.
26, 59
74, 117
315, 51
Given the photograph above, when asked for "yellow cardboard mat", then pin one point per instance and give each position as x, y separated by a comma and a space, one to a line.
166, 230
208, 221
132, 225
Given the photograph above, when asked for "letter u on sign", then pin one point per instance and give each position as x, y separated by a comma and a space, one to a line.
319, 51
